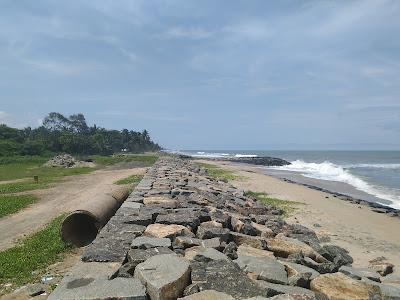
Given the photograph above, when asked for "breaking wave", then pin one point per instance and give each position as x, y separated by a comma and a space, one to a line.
332, 172
375, 166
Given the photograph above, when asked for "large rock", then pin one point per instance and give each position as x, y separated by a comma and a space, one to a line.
266, 268
208, 295
299, 275
89, 281
211, 224
145, 242
253, 241
137, 256
139, 219
265, 231
322, 268
338, 286
231, 250
112, 242
224, 276
205, 232
167, 231
184, 242
254, 252
187, 219
284, 246
358, 273
201, 253
166, 201
165, 276
337, 255
100, 289
273, 289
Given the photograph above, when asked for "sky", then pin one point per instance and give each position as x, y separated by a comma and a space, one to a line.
209, 74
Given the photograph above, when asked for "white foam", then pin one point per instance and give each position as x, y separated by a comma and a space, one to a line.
245, 155
333, 172
375, 166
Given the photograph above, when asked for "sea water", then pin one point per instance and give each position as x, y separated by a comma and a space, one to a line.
373, 173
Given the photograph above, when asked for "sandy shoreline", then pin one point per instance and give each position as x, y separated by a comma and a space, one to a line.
364, 233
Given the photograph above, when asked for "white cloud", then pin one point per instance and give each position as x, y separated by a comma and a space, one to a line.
20, 121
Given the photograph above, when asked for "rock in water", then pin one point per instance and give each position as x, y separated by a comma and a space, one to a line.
165, 276
262, 160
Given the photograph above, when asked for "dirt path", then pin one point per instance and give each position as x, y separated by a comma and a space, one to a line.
64, 197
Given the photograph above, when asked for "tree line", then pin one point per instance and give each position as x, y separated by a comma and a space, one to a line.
59, 133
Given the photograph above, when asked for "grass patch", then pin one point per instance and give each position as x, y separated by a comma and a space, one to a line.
129, 180
28, 166
286, 206
47, 176
25, 262
218, 172
10, 204
19, 166
145, 159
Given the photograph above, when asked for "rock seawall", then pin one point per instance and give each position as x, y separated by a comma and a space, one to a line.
184, 235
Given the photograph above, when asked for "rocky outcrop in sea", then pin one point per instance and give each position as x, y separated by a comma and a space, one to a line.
184, 235
256, 160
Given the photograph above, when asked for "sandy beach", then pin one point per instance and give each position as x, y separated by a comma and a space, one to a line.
364, 233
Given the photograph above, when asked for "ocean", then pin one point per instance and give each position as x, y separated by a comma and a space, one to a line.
369, 175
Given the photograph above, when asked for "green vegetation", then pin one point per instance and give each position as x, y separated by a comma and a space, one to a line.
25, 262
218, 172
146, 160
71, 135
26, 167
19, 166
129, 180
286, 206
10, 204
47, 176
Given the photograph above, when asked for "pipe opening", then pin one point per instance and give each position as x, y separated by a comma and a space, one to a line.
79, 228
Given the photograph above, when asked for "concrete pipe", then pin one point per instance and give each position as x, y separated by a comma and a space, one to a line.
81, 226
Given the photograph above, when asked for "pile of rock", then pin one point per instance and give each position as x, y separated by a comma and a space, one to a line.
67, 161
184, 234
